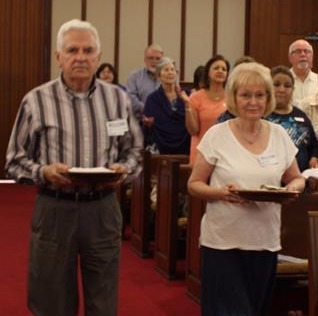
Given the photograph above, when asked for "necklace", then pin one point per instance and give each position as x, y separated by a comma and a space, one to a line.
251, 140
216, 96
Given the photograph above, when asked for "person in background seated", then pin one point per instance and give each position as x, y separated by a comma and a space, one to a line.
295, 121
198, 78
72, 122
300, 56
203, 107
142, 82
108, 73
164, 113
240, 238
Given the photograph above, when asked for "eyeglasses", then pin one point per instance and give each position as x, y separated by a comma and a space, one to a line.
259, 96
153, 58
298, 51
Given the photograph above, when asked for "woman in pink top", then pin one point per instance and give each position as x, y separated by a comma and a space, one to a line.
203, 107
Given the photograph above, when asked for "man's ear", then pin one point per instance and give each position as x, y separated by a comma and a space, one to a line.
58, 58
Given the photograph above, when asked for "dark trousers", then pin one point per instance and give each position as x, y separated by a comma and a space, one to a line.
67, 236
236, 282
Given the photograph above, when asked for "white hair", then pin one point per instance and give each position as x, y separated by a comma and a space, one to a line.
164, 61
76, 25
293, 44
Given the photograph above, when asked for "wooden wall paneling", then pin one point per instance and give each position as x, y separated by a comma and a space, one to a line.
5, 35
298, 20
150, 22
84, 10
274, 24
24, 62
264, 35
183, 39
117, 34
215, 27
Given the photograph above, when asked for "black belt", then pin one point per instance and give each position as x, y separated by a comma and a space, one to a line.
76, 196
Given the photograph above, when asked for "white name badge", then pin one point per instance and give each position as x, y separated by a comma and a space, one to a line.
268, 159
117, 127
299, 119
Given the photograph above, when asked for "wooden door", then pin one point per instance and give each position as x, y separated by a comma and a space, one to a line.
272, 25
24, 57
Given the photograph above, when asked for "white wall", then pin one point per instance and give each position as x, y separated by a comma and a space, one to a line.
133, 36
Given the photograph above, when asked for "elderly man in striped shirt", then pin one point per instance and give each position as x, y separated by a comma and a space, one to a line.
75, 120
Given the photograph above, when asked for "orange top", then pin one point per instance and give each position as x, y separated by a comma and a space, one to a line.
208, 112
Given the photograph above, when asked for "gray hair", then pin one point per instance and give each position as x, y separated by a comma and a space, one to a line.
76, 25
292, 45
245, 74
155, 47
164, 61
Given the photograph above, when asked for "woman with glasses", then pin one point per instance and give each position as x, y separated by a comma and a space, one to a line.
240, 238
164, 114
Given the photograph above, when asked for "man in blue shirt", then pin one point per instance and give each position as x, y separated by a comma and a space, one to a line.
142, 82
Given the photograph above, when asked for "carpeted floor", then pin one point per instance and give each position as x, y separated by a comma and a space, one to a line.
143, 291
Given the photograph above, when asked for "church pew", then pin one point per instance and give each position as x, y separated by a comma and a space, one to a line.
313, 263
172, 181
196, 209
141, 203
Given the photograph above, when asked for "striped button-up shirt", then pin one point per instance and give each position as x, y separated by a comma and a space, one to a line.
55, 124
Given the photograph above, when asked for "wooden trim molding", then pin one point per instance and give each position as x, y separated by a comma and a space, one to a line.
247, 27
84, 10
48, 37
183, 38
117, 34
150, 22
215, 27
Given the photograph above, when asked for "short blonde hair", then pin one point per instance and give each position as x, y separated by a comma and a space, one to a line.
246, 74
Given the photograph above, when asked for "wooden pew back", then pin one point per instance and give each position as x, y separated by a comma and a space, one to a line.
313, 263
140, 201
172, 181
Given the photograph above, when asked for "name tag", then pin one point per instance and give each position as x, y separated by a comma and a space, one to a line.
117, 127
299, 119
268, 159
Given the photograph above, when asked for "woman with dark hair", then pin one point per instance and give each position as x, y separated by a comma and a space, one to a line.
108, 73
198, 82
203, 107
295, 121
